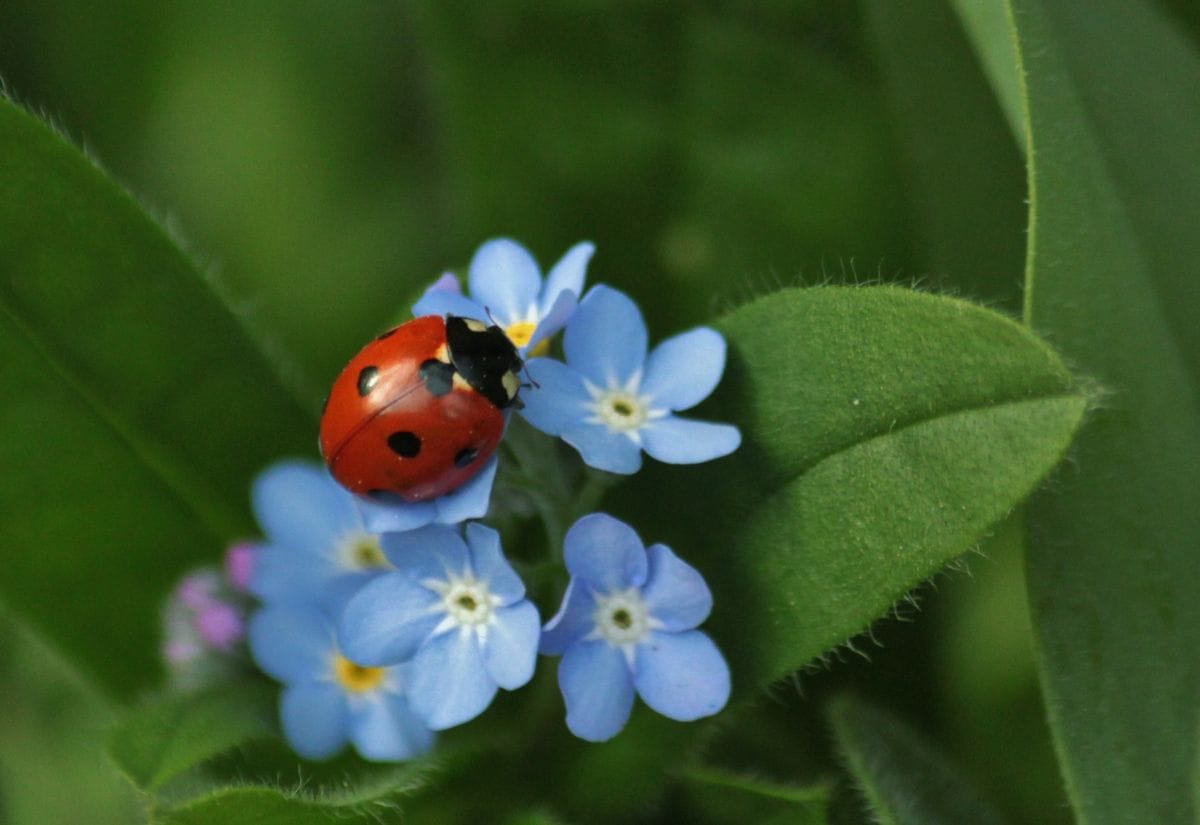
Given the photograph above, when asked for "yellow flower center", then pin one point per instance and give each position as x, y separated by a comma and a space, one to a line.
356, 678
520, 332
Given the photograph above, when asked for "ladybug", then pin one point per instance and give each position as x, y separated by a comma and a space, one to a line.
420, 409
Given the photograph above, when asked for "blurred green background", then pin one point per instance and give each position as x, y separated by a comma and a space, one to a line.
325, 160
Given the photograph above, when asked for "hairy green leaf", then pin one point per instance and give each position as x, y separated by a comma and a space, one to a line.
903, 779
136, 407
178, 732
1112, 102
369, 802
885, 431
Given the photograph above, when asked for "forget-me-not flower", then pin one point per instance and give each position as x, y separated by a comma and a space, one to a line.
610, 400
507, 289
318, 549
457, 611
627, 624
329, 699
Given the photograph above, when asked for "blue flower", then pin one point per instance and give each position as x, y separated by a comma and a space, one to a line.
610, 401
388, 513
318, 549
457, 610
627, 624
327, 698
506, 287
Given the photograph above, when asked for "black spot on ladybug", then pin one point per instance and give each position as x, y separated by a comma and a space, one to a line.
438, 376
378, 495
387, 334
405, 444
367, 379
465, 456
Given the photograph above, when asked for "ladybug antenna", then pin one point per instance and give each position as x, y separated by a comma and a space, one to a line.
491, 317
532, 381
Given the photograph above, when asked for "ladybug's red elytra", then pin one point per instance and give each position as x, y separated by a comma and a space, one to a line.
420, 409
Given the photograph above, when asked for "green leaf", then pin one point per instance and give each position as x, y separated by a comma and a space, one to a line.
965, 182
1113, 109
902, 778
742, 797
366, 803
988, 26
178, 732
136, 408
884, 432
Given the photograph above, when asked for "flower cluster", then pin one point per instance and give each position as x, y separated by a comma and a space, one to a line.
204, 621
387, 620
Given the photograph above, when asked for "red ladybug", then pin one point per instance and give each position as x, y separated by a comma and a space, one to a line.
419, 410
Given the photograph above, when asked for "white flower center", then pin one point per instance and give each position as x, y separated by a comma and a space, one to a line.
621, 617
467, 601
621, 408
362, 551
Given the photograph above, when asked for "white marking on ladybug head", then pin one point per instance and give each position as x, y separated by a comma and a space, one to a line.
511, 384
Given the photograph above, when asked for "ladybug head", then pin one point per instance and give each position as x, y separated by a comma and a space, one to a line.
485, 358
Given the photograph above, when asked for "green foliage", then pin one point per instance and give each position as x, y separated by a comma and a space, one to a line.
256, 805
884, 432
754, 798
177, 732
336, 160
136, 407
1112, 557
969, 206
903, 780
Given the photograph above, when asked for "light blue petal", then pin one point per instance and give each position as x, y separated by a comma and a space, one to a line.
340, 590
388, 513
684, 370
443, 302
574, 620
557, 400
299, 505
606, 338
283, 574
450, 684
681, 675
553, 319
505, 280
675, 593
489, 564
387, 621
510, 651
292, 644
314, 719
432, 552
384, 728
605, 554
675, 440
597, 688
470, 500
568, 274
604, 449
